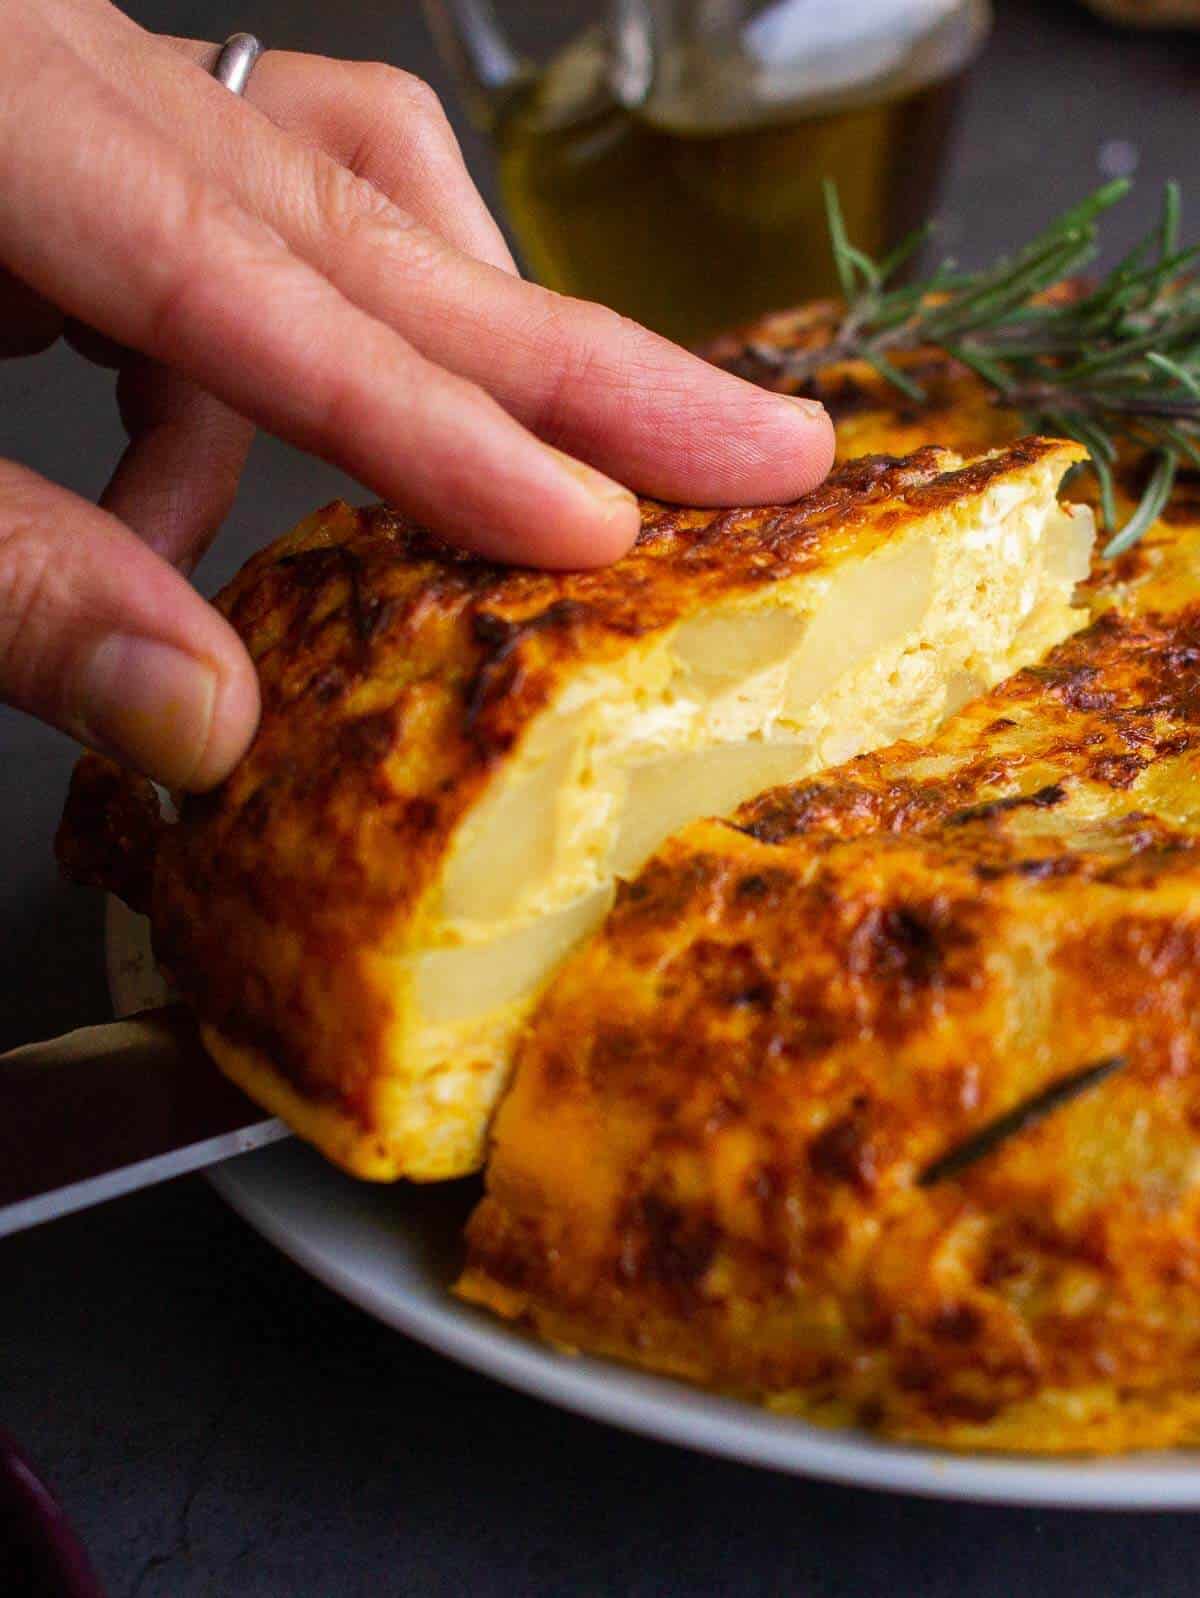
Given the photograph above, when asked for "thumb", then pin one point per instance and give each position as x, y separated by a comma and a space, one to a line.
102, 638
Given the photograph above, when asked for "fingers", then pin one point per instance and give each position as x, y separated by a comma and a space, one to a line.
585, 379
125, 234
388, 127
101, 638
382, 124
614, 394
176, 482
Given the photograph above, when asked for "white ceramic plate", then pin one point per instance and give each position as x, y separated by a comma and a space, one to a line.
395, 1250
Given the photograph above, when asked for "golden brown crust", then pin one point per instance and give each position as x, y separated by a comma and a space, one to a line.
109, 831
398, 677
1111, 711
710, 1160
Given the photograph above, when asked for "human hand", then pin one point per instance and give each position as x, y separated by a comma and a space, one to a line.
315, 260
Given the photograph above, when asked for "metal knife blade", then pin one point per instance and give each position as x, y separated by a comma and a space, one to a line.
111, 1108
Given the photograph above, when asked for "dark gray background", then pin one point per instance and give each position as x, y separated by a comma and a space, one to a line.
215, 1422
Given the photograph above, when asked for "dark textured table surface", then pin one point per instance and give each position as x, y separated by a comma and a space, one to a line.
216, 1423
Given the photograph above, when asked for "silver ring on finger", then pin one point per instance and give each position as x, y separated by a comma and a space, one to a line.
236, 60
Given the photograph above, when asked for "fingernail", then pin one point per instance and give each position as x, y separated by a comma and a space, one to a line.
150, 703
810, 407
608, 492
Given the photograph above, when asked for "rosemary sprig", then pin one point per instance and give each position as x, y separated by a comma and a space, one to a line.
1026, 1114
1119, 365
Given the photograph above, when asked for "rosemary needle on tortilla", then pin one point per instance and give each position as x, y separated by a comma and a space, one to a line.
1026, 1114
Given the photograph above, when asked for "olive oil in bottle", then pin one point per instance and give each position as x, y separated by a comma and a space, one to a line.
691, 230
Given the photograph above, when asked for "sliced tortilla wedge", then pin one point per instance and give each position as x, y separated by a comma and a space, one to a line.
879, 1101
456, 763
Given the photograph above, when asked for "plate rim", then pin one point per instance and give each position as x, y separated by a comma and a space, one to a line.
647, 1404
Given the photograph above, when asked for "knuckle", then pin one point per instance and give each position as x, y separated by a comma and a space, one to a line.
348, 205
354, 214
334, 411
404, 94
201, 227
396, 109
169, 306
